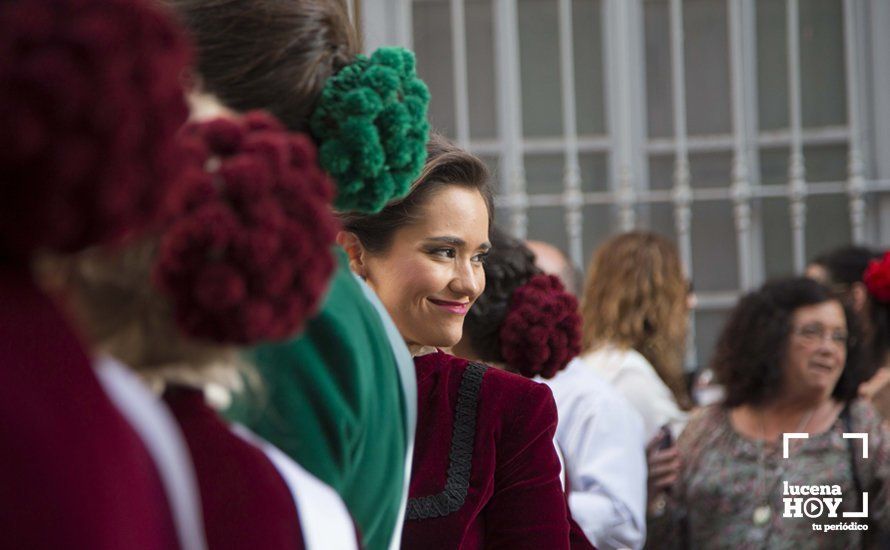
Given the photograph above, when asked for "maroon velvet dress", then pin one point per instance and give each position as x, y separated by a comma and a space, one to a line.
73, 473
486, 472
246, 502
253, 496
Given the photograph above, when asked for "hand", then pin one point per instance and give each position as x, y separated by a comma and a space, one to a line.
664, 470
877, 391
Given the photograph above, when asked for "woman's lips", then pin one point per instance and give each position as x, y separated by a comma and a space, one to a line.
822, 367
459, 308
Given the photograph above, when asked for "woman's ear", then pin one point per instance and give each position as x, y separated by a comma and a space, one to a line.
355, 251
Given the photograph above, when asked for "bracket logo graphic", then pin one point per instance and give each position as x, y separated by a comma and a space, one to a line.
821, 496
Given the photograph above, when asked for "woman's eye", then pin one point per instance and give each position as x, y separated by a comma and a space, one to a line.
445, 252
480, 257
811, 331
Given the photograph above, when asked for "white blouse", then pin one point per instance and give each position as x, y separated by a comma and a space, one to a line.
601, 436
636, 379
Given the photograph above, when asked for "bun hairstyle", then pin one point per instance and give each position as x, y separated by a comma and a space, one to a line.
877, 326
877, 279
524, 319
275, 55
372, 125
299, 60
243, 254
90, 100
446, 164
247, 255
542, 331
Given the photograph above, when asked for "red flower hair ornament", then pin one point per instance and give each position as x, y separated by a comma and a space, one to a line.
246, 255
542, 330
90, 103
877, 279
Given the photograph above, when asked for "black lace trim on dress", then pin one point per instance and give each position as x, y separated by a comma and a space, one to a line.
460, 457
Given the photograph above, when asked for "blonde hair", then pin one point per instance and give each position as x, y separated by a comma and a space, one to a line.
116, 305
635, 298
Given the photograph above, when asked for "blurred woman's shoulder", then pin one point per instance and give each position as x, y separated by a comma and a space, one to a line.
715, 413
864, 417
703, 421
630, 373
618, 365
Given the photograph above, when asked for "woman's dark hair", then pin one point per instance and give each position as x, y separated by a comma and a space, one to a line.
274, 55
846, 267
753, 344
446, 164
508, 266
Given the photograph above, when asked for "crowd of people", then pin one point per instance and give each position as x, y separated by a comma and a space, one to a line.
251, 300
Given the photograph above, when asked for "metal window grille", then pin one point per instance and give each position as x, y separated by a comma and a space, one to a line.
780, 171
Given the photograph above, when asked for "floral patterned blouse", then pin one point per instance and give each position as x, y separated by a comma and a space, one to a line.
730, 490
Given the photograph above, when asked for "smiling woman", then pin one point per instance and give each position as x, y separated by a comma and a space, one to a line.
431, 274
485, 469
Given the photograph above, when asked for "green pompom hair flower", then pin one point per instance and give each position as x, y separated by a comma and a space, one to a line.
371, 126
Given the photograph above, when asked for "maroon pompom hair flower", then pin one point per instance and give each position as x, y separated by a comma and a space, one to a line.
542, 330
90, 103
877, 279
246, 254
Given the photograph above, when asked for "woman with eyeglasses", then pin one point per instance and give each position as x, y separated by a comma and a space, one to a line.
790, 363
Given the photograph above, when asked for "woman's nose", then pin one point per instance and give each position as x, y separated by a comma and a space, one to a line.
468, 281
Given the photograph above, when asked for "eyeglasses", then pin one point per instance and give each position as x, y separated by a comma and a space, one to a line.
816, 334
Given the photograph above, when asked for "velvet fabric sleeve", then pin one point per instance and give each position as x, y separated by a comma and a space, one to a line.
486, 472
245, 501
73, 473
528, 507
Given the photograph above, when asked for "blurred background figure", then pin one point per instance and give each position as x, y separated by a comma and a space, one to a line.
843, 271
705, 390
634, 311
634, 324
553, 261
599, 432
789, 360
